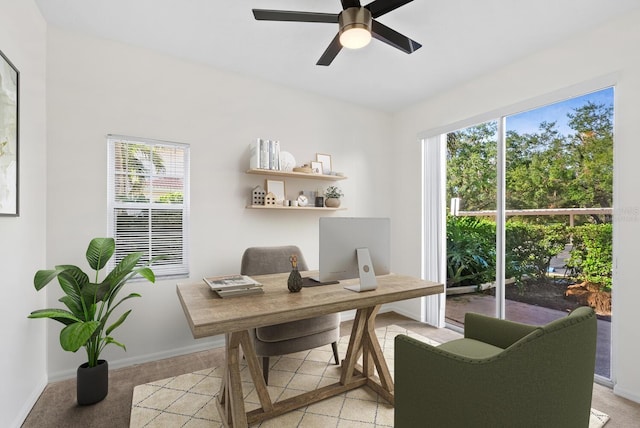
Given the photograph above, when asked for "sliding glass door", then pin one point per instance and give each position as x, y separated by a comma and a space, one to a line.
528, 215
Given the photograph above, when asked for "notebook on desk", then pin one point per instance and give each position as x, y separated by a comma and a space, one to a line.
314, 281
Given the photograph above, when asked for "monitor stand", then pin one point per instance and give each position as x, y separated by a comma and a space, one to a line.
365, 269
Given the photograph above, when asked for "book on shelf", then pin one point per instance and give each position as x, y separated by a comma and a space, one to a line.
274, 155
232, 282
264, 154
254, 154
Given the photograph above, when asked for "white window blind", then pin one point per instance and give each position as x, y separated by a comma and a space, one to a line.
148, 201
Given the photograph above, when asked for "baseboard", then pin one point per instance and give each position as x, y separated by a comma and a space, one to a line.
400, 311
629, 395
350, 315
217, 342
29, 403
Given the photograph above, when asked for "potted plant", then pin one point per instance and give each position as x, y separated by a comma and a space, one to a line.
88, 308
332, 196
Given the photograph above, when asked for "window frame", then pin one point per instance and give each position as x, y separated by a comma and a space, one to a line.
161, 269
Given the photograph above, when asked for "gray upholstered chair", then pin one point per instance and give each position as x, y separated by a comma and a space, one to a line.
502, 374
294, 336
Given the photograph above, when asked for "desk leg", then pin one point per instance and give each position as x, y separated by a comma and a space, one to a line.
230, 401
374, 354
355, 345
256, 372
364, 342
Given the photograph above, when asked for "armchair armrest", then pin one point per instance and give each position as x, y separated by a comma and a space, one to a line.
497, 332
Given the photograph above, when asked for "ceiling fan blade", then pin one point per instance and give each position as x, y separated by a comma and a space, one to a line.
289, 15
346, 4
331, 52
380, 7
393, 38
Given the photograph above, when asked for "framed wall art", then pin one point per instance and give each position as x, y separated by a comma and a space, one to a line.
9, 88
277, 188
316, 167
326, 162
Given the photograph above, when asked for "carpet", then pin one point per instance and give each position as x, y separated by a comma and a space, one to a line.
187, 400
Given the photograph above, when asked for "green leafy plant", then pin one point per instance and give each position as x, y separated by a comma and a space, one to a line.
333, 192
470, 251
90, 304
530, 248
591, 258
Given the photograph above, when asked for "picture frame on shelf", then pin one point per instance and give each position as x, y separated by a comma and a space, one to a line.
325, 160
9, 138
277, 188
317, 167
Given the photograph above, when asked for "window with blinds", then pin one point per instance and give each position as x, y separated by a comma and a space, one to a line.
148, 201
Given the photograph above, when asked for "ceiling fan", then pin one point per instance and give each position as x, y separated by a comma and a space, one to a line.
357, 25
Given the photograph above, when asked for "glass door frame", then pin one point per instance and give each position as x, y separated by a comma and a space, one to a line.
433, 307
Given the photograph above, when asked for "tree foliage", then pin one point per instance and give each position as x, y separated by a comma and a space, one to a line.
471, 166
545, 169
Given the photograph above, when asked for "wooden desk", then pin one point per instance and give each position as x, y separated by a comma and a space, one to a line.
210, 315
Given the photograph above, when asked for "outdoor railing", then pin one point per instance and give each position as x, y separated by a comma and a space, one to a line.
571, 212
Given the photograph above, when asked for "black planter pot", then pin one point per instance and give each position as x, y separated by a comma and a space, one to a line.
92, 383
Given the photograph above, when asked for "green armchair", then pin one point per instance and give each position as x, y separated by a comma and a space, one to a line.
501, 374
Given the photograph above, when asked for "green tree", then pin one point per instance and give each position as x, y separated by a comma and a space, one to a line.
536, 171
545, 169
471, 166
591, 148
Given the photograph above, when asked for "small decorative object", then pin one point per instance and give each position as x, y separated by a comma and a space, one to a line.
303, 200
326, 163
319, 201
333, 195
304, 169
287, 161
257, 196
316, 167
270, 200
89, 306
294, 283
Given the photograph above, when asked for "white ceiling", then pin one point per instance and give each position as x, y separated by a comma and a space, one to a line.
461, 39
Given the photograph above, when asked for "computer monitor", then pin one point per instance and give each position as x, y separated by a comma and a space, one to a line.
341, 237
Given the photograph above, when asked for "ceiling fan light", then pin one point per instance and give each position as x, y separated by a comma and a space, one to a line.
355, 38
355, 27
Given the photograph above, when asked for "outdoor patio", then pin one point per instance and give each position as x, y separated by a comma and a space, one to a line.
458, 305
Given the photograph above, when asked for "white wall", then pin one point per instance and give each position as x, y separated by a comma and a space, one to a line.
96, 87
611, 49
22, 242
